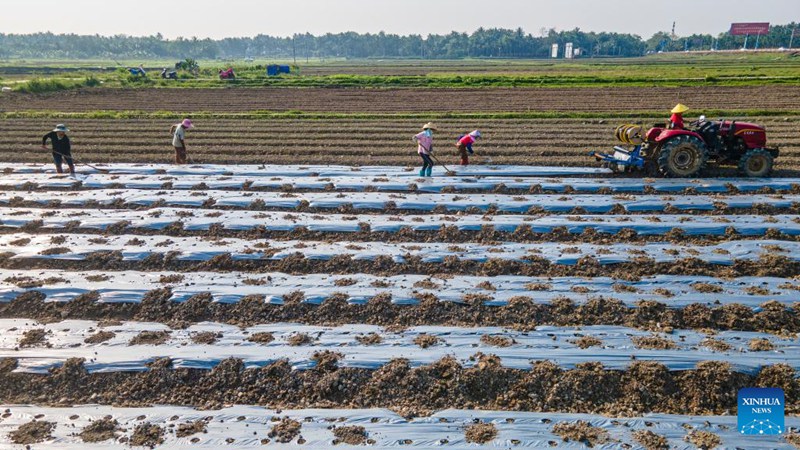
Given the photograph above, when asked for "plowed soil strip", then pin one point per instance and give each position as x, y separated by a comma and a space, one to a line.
78, 247
680, 350
28, 182
354, 141
360, 184
644, 386
311, 170
521, 312
279, 288
406, 100
400, 203
456, 228
245, 426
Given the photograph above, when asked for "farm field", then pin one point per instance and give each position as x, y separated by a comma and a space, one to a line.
299, 285
419, 101
695, 68
550, 306
348, 141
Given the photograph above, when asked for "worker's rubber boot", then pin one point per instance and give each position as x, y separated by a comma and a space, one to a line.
429, 171
422, 172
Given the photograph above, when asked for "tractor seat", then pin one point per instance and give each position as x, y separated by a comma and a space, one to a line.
731, 136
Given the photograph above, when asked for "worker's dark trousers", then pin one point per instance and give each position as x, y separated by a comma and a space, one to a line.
180, 155
426, 161
462, 151
67, 157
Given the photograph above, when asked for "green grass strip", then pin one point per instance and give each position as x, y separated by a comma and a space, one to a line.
431, 81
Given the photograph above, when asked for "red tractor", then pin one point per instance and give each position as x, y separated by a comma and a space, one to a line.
685, 152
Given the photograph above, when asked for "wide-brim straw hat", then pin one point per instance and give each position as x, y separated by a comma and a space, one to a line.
429, 126
680, 108
62, 128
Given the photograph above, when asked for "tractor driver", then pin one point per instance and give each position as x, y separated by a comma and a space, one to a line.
676, 120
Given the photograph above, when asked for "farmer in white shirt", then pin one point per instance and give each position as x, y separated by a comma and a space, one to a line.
179, 140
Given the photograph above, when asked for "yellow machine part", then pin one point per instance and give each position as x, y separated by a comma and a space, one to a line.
629, 134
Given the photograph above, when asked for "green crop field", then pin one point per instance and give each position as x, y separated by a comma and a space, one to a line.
708, 69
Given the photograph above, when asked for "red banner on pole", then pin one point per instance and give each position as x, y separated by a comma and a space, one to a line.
742, 29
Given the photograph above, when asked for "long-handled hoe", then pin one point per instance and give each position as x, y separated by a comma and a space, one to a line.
81, 162
448, 171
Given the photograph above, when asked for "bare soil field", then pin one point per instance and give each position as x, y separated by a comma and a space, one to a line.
267, 308
348, 141
408, 100
178, 293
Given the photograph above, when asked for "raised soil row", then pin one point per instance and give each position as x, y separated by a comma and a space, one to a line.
711, 388
356, 100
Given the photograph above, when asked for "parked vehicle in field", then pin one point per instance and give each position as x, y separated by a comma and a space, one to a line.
137, 71
171, 75
227, 74
680, 152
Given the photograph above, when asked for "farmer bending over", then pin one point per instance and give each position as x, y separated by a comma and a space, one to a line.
424, 142
676, 120
62, 151
179, 140
464, 145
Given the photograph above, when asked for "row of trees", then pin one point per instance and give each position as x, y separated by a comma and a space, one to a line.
483, 43
785, 36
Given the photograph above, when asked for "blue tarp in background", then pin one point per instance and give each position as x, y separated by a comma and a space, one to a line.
275, 69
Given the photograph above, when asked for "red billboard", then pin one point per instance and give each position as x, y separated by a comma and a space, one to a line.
742, 29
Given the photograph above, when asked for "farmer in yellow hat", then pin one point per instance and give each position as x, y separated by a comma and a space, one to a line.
676, 120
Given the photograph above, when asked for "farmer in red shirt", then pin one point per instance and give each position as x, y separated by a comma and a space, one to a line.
464, 145
676, 120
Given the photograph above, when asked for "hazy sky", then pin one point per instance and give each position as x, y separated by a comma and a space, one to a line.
221, 18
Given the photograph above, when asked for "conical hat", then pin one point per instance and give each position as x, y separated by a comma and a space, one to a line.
680, 108
429, 126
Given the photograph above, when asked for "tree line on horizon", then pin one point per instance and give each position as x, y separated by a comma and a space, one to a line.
483, 43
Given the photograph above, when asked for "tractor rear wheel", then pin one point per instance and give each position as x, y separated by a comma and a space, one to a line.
682, 156
756, 163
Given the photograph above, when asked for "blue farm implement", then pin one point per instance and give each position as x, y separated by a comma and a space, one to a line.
678, 152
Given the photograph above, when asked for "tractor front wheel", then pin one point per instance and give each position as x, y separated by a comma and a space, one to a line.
756, 163
682, 156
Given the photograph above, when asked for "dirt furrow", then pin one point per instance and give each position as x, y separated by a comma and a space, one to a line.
521, 313
710, 388
406, 100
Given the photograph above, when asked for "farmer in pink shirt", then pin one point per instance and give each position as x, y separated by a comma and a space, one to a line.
464, 145
424, 142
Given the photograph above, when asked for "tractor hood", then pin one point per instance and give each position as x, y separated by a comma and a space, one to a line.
746, 126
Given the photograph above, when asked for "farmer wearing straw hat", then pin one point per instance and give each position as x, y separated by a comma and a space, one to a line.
424, 142
62, 151
676, 120
179, 140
